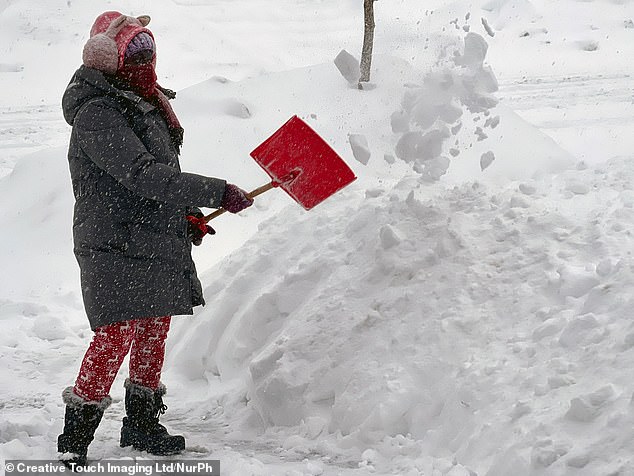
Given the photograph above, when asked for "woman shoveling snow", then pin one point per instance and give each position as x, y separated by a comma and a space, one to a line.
135, 218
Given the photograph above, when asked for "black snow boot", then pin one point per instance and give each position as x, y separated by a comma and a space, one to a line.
80, 423
141, 427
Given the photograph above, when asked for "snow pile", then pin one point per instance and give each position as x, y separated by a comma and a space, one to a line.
411, 327
479, 325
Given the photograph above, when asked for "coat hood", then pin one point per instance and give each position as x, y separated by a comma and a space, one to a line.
88, 83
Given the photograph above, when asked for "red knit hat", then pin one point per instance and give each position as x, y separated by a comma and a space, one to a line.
109, 37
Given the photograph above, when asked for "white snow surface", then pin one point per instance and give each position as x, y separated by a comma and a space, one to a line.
463, 308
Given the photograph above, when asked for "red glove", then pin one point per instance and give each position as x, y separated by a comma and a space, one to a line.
235, 199
197, 228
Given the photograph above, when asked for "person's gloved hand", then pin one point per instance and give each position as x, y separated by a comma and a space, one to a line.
197, 228
235, 199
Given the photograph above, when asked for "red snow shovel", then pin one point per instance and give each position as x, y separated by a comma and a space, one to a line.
301, 163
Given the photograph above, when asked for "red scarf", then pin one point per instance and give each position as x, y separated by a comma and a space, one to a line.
142, 80
140, 77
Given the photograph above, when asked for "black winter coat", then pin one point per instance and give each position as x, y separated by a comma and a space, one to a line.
129, 227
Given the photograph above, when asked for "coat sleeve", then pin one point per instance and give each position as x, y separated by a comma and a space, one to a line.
106, 137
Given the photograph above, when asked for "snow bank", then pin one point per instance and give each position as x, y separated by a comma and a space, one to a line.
194, 40
37, 209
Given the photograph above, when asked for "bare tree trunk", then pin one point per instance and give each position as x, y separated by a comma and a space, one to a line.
368, 41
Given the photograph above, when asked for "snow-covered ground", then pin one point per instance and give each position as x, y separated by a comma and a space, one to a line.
463, 308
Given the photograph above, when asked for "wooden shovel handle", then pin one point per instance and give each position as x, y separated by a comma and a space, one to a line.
251, 194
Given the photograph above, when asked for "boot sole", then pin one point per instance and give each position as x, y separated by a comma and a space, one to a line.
137, 440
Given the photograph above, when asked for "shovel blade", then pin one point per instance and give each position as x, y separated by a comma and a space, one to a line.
302, 163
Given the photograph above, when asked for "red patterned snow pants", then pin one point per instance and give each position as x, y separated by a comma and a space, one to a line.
143, 338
